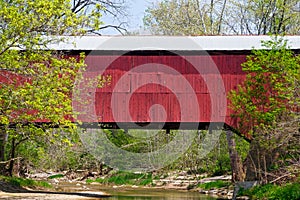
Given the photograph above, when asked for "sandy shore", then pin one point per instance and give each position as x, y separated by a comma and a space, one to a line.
8, 191
47, 196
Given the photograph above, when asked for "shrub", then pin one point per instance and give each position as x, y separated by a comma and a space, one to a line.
21, 182
273, 192
56, 176
214, 184
126, 178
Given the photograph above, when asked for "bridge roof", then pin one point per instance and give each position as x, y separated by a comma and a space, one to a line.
171, 43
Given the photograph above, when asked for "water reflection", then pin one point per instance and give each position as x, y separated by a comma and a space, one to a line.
152, 194
128, 193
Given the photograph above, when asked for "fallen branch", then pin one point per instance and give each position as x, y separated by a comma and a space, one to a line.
280, 177
5, 162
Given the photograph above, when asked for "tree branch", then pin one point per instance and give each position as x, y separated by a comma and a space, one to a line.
5, 162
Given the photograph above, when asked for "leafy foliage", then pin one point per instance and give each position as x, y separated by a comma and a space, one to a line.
270, 89
20, 182
58, 151
214, 184
177, 17
128, 178
266, 106
56, 176
262, 17
139, 140
215, 17
35, 81
215, 163
274, 192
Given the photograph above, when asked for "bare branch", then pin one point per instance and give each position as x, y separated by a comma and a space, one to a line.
8, 161
119, 28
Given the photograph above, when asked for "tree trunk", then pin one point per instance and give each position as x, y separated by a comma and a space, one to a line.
3, 140
236, 163
12, 157
221, 18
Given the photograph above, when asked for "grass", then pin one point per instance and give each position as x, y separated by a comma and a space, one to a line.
21, 182
126, 178
56, 176
214, 184
273, 192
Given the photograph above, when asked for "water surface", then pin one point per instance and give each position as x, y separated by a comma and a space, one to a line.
154, 194
129, 193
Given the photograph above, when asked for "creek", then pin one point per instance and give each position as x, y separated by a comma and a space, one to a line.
129, 193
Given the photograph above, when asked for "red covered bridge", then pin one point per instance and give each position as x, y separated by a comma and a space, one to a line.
163, 82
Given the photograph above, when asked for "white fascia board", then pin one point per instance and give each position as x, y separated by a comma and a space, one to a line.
170, 43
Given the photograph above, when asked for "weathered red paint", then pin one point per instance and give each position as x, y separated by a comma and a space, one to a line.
153, 85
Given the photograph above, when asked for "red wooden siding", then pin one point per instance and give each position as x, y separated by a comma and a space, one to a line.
141, 82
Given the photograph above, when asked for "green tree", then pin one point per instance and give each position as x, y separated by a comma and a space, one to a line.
261, 17
215, 17
35, 82
266, 106
179, 17
270, 88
